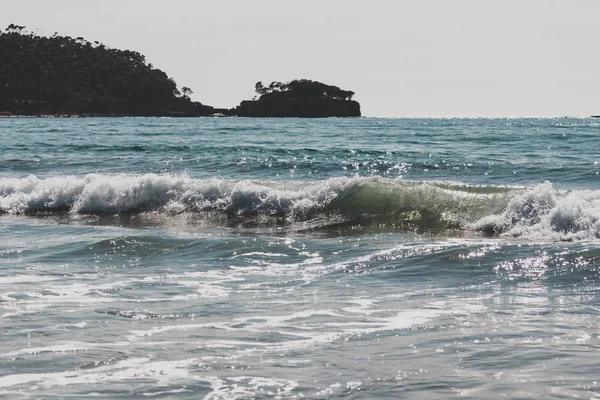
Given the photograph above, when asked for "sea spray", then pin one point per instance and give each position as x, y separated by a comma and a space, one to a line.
435, 204
539, 211
544, 213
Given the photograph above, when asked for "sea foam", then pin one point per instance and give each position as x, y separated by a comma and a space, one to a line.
292, 200
544, 213
540, 211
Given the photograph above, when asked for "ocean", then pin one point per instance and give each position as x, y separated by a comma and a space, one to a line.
233, 258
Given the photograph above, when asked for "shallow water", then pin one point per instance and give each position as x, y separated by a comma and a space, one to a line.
340, 258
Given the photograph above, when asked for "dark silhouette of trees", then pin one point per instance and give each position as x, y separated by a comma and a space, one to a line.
260, 89
14, 28
186, 91
299, 98
303, 88
59, 74
65, 75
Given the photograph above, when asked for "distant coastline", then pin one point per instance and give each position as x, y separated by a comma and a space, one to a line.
60, 76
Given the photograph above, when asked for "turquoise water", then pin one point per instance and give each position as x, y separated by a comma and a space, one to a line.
231, 258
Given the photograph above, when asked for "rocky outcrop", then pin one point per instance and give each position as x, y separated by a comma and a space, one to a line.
304, 107
299, 98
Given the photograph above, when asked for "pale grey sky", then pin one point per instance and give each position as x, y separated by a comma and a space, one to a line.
401, 57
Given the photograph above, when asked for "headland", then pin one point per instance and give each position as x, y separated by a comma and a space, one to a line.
64, 76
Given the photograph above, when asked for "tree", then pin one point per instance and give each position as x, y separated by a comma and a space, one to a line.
186, 91
260, 88
275, 86
14, 28
303, 88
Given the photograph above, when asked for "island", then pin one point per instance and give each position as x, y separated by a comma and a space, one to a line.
65, 76
299, 98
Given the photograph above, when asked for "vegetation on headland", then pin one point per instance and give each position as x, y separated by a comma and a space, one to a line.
302, 88
61, 75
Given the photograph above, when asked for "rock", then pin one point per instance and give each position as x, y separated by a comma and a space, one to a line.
306, 107
299, 98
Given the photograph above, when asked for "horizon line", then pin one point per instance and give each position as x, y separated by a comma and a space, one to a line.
482, 116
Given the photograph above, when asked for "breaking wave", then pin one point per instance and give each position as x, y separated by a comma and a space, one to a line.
544, 213
540, 211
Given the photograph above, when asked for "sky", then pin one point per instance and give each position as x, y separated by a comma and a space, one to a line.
405, 58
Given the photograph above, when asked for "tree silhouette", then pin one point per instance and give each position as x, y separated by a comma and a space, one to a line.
260, 88
303, 88
14, 28
186, 91
60, 74
299, 98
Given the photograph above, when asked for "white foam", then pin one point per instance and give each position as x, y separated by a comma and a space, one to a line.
9, 280
318, 201
260, 254
161, 372
546, 214
62, 347
135, 334
166, 392
111, 194
249, 387
51, 294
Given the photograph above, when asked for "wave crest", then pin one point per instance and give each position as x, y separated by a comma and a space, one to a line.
296, 201
539, 212
544, 213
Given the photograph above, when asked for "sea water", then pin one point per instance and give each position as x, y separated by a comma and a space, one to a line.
231, 258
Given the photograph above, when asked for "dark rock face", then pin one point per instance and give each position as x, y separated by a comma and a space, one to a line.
299, 98
304, 107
